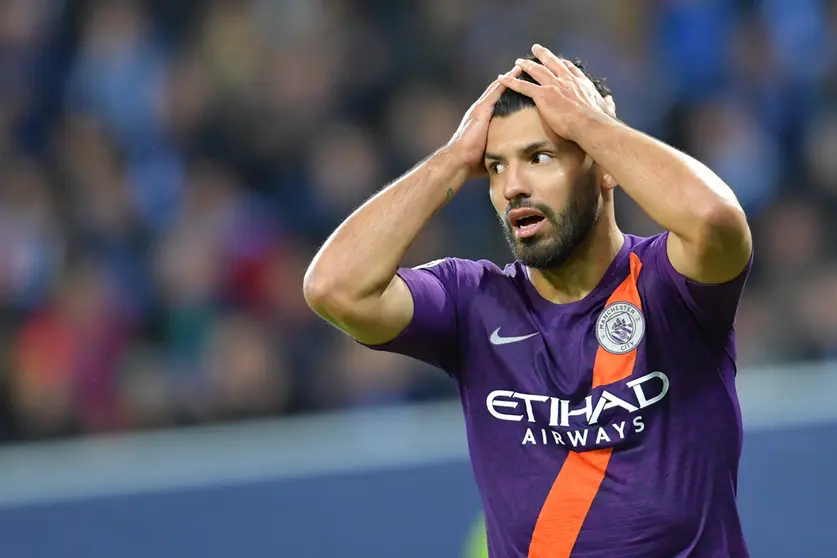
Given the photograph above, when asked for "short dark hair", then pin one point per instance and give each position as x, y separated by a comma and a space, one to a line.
512, 101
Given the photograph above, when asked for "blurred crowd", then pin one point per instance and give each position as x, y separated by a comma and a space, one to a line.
168, 168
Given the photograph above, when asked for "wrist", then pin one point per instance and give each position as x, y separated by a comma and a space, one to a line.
584, 122
449, 161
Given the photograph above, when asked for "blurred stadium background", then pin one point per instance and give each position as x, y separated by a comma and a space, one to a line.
168, 167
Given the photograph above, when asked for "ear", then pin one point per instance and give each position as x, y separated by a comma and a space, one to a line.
608, 183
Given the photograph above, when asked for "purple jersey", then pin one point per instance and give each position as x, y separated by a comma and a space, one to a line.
609, 426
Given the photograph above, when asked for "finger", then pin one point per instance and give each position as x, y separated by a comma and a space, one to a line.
539, 73
527, 88
495, 90
496, 86
574, 70
610, 106
549, 59
492, 87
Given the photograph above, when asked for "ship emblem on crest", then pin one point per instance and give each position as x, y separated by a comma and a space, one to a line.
620, 328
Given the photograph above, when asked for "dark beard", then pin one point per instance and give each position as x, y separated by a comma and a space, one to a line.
570, 227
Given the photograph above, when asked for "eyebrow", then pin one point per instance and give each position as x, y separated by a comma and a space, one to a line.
527, 150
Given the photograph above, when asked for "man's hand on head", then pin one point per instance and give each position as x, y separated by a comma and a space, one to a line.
468, 142
564, 96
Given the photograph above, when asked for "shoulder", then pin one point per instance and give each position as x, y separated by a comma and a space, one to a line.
648, 247
467, 272
653, 257
652, 254
465, 278
712, 305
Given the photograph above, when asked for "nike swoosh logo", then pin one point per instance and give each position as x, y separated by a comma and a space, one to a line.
497, 340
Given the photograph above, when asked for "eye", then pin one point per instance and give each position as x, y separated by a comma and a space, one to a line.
496, 168
541, 158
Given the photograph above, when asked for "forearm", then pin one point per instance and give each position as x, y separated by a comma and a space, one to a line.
678, 192
361, 257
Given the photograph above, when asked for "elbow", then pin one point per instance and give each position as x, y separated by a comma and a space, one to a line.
723, 227
326, 294
725, 217
318, 290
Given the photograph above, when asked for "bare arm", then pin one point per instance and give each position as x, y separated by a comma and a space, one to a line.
352, 280
710, 240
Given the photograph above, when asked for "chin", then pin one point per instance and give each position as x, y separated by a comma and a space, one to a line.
540, 257
543, 252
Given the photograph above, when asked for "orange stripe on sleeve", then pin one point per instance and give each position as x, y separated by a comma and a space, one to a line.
569, 500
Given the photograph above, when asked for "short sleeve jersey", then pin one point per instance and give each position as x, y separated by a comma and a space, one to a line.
609, 426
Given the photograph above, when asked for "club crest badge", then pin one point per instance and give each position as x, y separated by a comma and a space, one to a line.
620, 328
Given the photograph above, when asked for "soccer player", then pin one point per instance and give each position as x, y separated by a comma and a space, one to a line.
597, 371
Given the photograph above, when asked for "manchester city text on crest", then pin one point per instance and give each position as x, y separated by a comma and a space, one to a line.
620, 328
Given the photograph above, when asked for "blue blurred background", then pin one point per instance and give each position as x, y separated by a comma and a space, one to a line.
168, 168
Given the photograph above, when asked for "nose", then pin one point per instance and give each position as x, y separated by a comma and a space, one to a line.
515, 185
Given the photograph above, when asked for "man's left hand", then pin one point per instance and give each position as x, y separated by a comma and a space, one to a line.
565, 97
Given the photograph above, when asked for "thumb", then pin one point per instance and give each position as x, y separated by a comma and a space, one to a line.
610, 106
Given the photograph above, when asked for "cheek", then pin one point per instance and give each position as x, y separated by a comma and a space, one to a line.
495, 195
552, 183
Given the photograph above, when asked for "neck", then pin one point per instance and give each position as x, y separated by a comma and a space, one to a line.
583, 271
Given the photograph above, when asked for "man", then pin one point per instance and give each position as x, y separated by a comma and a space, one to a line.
596, 372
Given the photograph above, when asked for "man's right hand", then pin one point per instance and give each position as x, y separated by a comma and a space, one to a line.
468, 142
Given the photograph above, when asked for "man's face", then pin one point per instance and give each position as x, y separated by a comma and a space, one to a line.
544, 188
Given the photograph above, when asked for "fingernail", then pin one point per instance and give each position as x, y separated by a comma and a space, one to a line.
536, 45
501, 76
519, 61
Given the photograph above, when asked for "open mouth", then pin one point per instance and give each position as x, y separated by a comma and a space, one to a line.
526, 221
